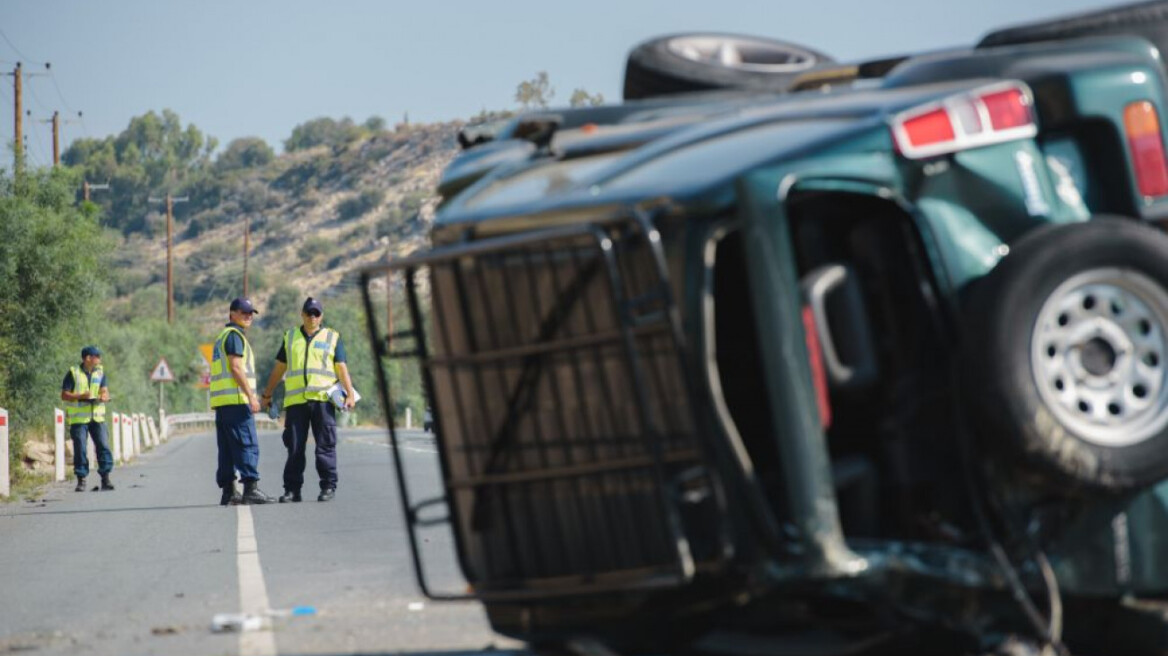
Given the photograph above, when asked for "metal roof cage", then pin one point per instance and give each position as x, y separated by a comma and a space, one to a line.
569, 450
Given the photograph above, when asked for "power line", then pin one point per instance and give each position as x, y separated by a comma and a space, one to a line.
53, 77
36, 98
10, 45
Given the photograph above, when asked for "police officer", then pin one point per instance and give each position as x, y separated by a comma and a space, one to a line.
85, 393
233, 384
311, 360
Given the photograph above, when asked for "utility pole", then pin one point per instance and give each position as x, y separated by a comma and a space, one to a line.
86, 188
18, 145
56, 121
246, 248
170, 201
18, 113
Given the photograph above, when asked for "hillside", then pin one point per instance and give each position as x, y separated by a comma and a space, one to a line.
316, 216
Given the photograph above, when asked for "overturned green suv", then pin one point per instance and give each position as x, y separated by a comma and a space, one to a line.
789, 356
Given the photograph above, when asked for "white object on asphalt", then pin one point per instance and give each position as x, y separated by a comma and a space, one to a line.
236, 622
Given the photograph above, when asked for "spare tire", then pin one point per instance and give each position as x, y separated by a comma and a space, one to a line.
1146, 19
1066, 358
682, 63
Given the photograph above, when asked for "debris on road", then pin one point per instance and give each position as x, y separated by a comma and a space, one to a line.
172, 629
237, 623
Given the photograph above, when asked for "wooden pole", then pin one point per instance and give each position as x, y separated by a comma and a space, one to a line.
169, 258
56, 138
246, 248
18, 145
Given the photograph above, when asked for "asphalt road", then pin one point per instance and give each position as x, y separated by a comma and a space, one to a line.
144, 569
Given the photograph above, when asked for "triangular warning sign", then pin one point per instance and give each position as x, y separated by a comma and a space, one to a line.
162, 372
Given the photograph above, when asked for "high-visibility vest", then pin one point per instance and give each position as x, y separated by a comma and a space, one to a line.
310, 365
83, 412
224, 390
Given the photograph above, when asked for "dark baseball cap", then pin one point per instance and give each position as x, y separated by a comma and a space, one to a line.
243, 305
312, 304
90, 350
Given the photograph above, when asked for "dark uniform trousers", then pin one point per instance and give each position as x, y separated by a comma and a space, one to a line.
321, 417
239, 447
105, 457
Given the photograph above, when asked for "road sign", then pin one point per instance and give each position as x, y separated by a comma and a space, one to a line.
207, 350
162, 372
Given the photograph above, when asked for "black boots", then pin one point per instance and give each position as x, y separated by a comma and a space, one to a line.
290, 496
253, 495
327, 494
105, 482
230, 496
80, 484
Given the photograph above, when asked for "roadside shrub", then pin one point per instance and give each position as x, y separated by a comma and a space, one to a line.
359, 205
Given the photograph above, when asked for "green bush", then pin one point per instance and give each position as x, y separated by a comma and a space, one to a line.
316, 246
358, 205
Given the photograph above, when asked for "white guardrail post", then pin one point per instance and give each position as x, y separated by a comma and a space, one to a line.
154, 430
115, 437
146, 429
5, 484
137, 435
127, 439
58, 445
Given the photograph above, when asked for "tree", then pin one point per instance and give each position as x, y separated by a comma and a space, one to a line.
322, 131
581, 98
53, 275
536, 92
374, 124
245, 153
153, 155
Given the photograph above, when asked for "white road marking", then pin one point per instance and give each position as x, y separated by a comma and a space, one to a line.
253, 594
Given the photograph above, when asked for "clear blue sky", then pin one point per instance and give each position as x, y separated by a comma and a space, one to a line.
259, 67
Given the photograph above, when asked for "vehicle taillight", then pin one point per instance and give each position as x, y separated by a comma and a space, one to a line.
926, 129
989, 115
1142, 126
1007, 109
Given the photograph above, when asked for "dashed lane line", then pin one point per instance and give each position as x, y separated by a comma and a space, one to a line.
253, 594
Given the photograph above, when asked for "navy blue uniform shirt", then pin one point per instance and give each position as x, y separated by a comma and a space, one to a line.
233, 345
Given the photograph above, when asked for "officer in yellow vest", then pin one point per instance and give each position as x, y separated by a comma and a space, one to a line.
233, 384
311, 360
85, 392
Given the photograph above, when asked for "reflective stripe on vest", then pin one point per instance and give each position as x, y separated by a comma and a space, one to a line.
310, 365
224, 390
83, 412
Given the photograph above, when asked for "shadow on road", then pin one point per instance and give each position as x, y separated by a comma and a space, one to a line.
110, 510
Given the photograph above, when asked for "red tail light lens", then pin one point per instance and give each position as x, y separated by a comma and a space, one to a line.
929, 129
1142, 125
989, 115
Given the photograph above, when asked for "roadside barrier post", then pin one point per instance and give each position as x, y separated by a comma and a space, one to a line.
116, 437
5, 485
162, 425
137, 435
154, 430
58, 445
409, 418
146, 429
127, 440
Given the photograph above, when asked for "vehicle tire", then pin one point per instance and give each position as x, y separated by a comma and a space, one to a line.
1066, 355
682, 63
1146, 19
